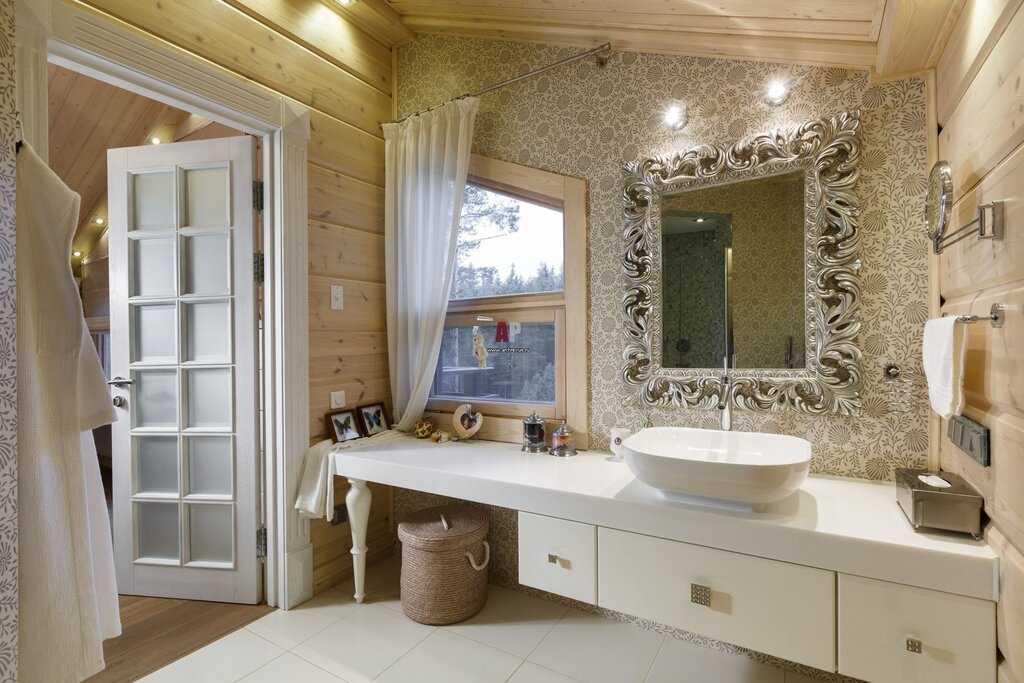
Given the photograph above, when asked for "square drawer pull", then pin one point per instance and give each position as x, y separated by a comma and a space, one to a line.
914, 645
552, 558
700, 595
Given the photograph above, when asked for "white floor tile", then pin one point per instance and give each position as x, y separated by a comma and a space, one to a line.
291, 627
363, 644
288, 667
532, 673
511, 621
679, 660
383, 584
598, 650
445, 657
228, 659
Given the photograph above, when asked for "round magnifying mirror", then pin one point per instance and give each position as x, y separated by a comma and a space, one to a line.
938, 203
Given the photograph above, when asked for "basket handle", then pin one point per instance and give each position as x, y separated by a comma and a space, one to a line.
487, 557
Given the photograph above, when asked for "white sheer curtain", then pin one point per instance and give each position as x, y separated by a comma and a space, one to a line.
427, 159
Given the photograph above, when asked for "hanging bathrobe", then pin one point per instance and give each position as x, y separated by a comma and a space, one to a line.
67, 594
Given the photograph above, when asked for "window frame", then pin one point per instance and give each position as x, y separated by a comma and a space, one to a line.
568, 307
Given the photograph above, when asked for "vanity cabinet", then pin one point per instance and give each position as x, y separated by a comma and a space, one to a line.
558, 556
774, 607
891, 633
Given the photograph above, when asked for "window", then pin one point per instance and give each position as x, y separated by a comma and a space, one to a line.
514, 335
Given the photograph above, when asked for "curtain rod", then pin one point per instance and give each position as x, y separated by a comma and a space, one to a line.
522, 77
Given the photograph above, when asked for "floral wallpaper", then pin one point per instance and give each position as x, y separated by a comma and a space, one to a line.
587, 121
8, 365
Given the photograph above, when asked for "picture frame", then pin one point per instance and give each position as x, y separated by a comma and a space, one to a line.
373, 419
343, 425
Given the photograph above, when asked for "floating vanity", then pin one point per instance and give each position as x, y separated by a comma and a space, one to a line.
833, 577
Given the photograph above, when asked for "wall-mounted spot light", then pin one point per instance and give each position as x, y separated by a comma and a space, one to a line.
76, 254
98, 221
675, 116
776, 92
155, 140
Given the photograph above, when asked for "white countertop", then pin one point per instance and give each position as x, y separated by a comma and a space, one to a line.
845, 525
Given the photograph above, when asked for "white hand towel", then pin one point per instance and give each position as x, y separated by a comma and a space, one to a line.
316, 490
945, 342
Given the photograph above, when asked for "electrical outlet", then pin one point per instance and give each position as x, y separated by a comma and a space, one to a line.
337, 297
337, 400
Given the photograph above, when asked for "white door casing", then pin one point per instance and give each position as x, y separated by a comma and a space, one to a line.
184, 335
96, 44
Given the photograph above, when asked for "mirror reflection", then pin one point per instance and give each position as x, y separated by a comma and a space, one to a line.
734, 251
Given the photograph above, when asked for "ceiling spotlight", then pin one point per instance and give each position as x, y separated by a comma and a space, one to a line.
776, 92
700, 220
675, 116
99, 221
155, 140
76, 254
346, 3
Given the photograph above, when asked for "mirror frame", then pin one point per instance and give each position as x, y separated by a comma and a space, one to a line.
827, 150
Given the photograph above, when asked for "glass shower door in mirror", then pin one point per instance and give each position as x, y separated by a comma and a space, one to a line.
183, 357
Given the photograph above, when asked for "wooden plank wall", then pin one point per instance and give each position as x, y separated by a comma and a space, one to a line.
980, 108
311, 53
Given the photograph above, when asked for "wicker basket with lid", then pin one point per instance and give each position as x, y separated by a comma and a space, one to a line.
444, 563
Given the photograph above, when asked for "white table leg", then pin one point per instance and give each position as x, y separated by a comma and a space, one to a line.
357, 501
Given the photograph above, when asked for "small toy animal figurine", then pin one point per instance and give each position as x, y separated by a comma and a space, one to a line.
479, 350
423, 429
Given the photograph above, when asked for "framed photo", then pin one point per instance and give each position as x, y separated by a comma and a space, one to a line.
342, 425
373, 419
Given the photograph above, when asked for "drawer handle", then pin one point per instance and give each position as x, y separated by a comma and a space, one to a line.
914, 645
700, 595
552, 558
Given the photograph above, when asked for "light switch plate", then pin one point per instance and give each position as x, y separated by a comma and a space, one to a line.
337, 297
337, 400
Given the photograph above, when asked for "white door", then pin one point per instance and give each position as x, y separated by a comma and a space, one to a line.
183, 339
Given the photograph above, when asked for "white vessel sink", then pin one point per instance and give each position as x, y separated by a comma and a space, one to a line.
740, 470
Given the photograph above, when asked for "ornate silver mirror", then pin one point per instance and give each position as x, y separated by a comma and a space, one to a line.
744, 255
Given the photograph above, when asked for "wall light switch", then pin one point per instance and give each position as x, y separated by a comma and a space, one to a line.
337, 297
337, 400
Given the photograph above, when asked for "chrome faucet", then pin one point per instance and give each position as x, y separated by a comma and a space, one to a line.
724, 399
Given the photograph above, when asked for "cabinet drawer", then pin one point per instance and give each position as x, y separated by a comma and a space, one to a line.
558, 556
957, 634
773, 607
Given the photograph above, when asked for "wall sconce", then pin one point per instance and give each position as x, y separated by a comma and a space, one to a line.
777, 91
675, 116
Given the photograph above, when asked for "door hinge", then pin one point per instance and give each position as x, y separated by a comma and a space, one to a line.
261, 542
257, 195
257, 267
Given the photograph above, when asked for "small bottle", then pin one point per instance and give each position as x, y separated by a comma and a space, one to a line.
563, 441
533, 434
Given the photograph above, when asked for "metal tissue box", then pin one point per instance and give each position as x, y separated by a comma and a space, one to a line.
939, 500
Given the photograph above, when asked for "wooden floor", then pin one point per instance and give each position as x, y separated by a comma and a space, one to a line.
157, 631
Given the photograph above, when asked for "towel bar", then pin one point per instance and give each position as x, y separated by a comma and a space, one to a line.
995, 316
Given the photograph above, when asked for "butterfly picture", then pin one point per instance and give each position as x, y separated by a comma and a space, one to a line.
343, 426
373, 418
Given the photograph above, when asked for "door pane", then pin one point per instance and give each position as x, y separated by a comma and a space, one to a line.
209, 398
156, 464
152, 200
153, 268
207, 197
207, 264
208, 332
211, 536
156, 398
157, 534
154, 334
209, 465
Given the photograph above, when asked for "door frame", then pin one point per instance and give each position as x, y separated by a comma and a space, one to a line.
98, 45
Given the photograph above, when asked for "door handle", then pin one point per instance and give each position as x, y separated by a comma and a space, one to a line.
121, 382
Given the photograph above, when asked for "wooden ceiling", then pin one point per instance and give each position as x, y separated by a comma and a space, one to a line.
888, 37
88, 117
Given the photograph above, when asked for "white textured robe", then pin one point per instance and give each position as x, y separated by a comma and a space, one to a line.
67, 593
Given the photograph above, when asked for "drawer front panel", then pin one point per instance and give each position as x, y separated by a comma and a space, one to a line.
772, 607
558, 556
882, 626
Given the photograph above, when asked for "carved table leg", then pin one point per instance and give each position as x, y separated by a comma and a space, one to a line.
357, 501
